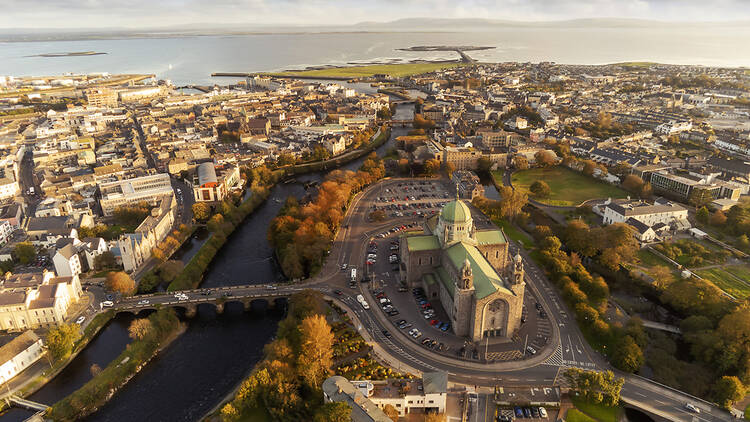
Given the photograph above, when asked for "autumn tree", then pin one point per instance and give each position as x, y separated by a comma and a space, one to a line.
728, 390
333, 412
139, 328
60, 340
595, 386
512, 202
717, 218
201, 211
391, 412
633, 184
544, 158
169, 270
434, 417
520, 162
120, 282
215, 223
540, 189
316, 356
627, 355
700, 197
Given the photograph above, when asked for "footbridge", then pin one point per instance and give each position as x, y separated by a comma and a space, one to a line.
401, 123
26, 404
218, 297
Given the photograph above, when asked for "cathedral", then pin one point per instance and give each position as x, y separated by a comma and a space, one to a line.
470, 271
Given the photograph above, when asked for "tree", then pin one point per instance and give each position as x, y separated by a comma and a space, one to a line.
431, 167
702, 215
521, 162
169, 270
434, 417
700, 197
333, 412
60, 340
120, 282
215, 223
544, 158
229, 413
540, 189
512, 202
627, 355
316, 354
595, 386
484, 164
391, 412
24, 252
139, 328
104, 260
718, 218
589, 167
201, 211
728, 390
632, 184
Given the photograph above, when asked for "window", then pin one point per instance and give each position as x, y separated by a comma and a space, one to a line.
411, 401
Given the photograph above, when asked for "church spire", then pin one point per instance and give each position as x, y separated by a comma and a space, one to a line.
456, 191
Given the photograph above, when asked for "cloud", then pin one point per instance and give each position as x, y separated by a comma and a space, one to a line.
149, 13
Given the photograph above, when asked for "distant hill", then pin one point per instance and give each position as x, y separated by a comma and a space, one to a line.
400, 25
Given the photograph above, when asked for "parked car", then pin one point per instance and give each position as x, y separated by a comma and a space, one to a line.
519, 413
80, 320
108, 304
543, 412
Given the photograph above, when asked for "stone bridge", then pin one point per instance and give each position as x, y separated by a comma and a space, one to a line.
189, 300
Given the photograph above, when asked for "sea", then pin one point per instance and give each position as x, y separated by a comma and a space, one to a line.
192, 59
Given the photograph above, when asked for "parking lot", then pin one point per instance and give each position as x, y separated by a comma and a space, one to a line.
424, 320
417, 198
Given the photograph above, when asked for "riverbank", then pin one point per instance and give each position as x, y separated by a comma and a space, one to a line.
163, 327
37, 382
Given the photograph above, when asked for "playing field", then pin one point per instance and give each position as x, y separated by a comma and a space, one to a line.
396, 70
726, 278
569, 188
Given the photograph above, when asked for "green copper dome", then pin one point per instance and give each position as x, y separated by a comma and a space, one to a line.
455, 212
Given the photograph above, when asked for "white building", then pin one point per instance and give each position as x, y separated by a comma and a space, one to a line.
36, 300
665, 212
6, 231
18, 354
67, 262
120, 193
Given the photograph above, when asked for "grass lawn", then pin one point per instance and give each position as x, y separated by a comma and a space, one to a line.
516, 234
649, 259
569, 188
498, 176
574, 415
396, 70
598, 412
722, 279
747, 409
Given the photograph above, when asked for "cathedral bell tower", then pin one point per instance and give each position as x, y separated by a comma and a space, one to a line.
463, 300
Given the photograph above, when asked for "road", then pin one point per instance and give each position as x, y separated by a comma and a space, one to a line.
567, 348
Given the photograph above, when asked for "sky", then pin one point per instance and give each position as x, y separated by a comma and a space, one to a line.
37, 14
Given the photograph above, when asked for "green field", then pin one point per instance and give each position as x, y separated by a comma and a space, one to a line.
722, 278
569, 188
498, 176
635, 64
595, 411
514, 233
396, 70
575, 415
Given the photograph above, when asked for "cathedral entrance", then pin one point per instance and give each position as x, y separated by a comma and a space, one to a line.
495, 320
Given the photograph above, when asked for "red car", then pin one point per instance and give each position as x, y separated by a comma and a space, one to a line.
434, 322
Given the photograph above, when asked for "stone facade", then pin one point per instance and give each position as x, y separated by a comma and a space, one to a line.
469, 271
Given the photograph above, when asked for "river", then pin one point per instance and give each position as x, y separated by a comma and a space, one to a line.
216, 351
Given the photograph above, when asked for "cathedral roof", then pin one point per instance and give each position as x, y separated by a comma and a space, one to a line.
486, 279
455, 212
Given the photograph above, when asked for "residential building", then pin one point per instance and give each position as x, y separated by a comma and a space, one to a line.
136, 247
66, 260
6, 232
149, 189
36, 300
18, 354
468, 183
101, 97
666, 212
